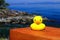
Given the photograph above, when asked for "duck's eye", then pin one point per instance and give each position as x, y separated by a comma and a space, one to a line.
40, 20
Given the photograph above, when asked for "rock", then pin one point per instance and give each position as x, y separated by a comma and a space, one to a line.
16, 16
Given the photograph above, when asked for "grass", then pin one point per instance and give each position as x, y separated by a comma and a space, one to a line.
4, 38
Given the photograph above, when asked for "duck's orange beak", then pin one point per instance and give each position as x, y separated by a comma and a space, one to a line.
38, 22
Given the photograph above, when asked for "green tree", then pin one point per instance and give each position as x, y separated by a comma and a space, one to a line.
3, 4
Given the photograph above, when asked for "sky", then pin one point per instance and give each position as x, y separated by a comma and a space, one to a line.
27, 1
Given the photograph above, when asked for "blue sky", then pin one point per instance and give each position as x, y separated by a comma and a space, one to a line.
27, 1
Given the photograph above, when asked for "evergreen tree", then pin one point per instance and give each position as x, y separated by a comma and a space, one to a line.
3, 4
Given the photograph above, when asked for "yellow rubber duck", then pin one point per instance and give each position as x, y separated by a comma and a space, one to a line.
37, 25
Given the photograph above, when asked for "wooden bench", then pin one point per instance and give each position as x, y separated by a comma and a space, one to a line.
49, 33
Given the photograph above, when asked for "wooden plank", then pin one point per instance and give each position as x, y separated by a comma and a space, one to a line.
49, 33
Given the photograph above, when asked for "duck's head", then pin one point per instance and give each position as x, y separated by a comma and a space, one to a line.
37, 19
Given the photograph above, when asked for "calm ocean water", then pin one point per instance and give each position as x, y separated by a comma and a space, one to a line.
51, 11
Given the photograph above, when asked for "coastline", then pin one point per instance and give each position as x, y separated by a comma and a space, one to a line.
19, 17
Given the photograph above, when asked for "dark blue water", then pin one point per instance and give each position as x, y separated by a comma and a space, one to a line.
51, 11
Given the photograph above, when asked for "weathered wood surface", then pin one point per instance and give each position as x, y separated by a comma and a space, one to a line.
49, 33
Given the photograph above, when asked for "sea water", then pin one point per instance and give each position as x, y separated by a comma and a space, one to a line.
49, 10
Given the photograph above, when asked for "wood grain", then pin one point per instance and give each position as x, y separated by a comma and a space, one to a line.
50, 33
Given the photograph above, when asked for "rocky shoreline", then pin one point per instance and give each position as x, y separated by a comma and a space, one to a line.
12, 13
19, 17
13, 16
